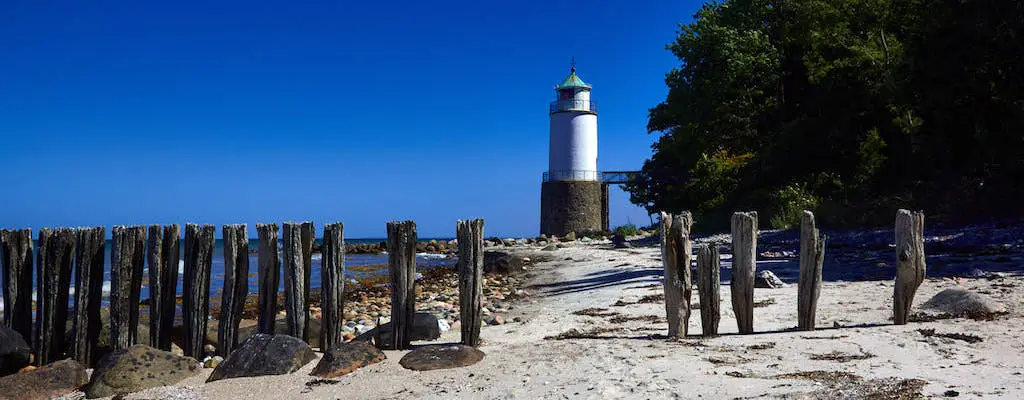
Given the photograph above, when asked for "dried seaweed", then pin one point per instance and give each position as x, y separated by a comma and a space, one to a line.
594, 312
647, 318
841, 357
654, 298
955, 336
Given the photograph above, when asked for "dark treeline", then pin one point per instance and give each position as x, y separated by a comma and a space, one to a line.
852, 108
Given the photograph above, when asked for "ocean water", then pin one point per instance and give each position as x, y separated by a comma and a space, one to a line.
217, 269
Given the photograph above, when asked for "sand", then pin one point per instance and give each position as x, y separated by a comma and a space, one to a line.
628, 356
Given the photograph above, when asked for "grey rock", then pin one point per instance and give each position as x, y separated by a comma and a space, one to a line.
138, 368
14, 351
619, 241
502, 262
424, 327
347, 358
958, 301
441, 357
280, 327
48, 381
768, 280
263, 354
550, 247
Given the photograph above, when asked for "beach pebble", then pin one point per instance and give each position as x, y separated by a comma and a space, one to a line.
443, 325
496, 320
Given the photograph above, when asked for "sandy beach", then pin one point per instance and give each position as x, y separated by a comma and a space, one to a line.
594, 327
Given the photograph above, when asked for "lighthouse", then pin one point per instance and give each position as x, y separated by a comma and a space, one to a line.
573, 196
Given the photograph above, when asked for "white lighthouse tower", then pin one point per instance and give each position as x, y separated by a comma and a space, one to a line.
573, 198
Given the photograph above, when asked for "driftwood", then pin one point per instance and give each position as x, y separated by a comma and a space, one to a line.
296, 305
675, 256
88, 292
708, 285
53, 261
812, 257
402, 268
236, 286
195, 306
269, 277
163, 256
127, 259
308, 237
744, 265
470, 267
16, 257
910, 265
332, 283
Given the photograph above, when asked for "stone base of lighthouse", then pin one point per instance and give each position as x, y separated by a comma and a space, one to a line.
580, 206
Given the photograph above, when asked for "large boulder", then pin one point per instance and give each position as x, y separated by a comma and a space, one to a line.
441, 357
347, 358
263, 354
46, 382
138, 368
103, 345
14, 351
502, 262
424, 327
960, 301
247, 329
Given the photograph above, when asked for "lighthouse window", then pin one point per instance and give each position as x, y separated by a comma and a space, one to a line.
565, 94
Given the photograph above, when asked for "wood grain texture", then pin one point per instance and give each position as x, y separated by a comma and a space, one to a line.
910, 262
89, 250
744, 266
402, 271
53, 262
236, 286
709, 286
296, 304
199, 241
127, 259
812, 257
470, 267
332, 280
269, 277
16, 256
676, 249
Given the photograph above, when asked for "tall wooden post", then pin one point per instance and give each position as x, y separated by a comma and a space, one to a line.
402, 269
308, 237
54, 260
709, 283
744, 264
675, 256
470, 235
196, 286
236, 286
295, 305
269, 277
812, 257
910, 265
88, 292
163, 255
16, 256
127, 259
332, 282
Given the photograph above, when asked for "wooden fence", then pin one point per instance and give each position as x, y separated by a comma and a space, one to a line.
61, 251
675, 248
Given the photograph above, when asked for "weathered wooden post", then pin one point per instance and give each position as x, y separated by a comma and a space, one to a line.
269, 277
470, 235
53, 261
236, 286
910, 266
812, 257
744, 264
196, 286
295, 298
708, 283
402, 269
163, 256
16, 248
88, 292
308, 238
127, 259
332, 286
675, 256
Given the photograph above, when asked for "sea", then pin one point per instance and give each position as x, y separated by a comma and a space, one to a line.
423, 261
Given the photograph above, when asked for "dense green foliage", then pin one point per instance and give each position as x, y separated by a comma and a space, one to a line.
626, 230
851, 108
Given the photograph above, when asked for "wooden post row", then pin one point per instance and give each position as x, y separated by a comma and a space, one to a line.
53, 263
332, 282
236, 286
199, 242
744, 265
402, 269
163, 254
296, 298
910, 265
88, 292
127, 259
675, 250
470, 236
812, 257
16, 257
308, 237
269, 277
708, 286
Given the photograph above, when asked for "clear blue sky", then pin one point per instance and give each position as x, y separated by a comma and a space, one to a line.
140, 112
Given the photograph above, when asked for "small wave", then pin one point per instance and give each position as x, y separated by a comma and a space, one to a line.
316, 256
431, 255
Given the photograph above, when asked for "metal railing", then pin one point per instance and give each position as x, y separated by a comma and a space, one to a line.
572, 105
561, 176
